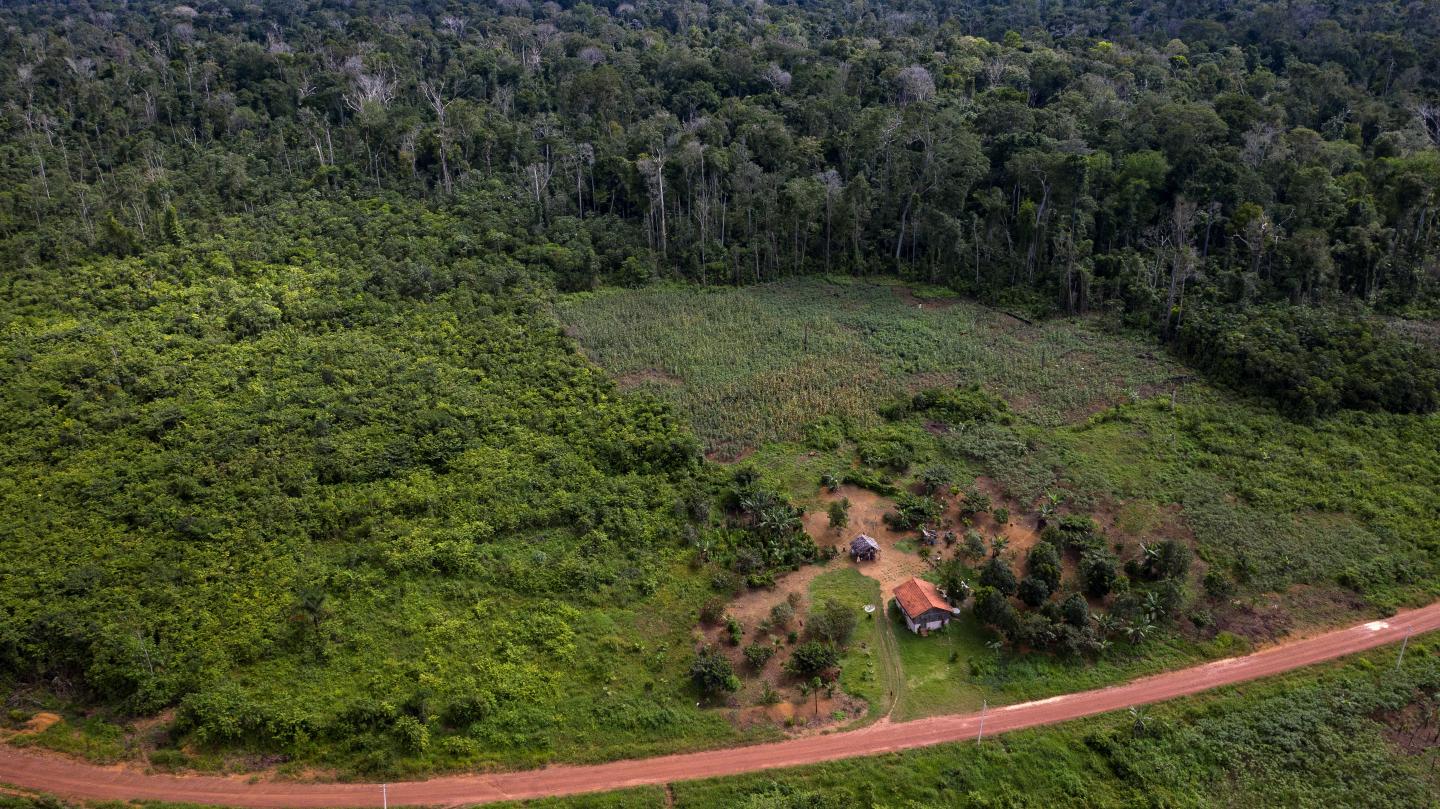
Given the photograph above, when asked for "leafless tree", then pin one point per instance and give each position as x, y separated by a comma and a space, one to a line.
434, 94
1182, 265
915, 84
453, 24
778, 78
369, 88
1428, 115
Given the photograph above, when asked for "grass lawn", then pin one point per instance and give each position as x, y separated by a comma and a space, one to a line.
866, 670
955, 670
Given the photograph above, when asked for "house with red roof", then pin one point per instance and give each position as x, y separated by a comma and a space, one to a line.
923, 606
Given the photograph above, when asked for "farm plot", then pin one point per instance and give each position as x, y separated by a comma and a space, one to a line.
755, 365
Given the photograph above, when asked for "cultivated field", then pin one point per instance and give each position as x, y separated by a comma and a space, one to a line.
754, 365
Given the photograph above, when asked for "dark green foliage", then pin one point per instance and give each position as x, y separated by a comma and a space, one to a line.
1075, 611
712, 673
1099, 570
936, 478
782, 614
1217, 585
734, 632
954, 578
997, 574
759, 653
712, 611
974, 546
813, 658
974, 502
993, 608
1169, 559
888, 447
1043, 563
955, 406
1313, 361
266, 457
825, 434
771, 535
1033, 591
832, 622
1073, 533
912, 511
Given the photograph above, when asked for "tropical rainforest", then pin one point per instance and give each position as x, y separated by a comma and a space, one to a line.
301, 454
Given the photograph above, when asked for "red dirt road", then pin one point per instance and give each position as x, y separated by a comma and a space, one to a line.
84, 781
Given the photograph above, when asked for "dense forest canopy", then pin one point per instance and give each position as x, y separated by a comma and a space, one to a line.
1137, 156
275, 281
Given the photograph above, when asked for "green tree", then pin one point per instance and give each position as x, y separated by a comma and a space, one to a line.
813, 658
997, 574
712, 673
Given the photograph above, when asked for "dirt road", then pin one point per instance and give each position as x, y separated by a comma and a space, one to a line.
75, 780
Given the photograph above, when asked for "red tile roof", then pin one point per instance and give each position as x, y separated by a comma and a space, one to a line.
917, 595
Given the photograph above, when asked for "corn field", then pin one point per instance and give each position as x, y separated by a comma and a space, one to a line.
756, 364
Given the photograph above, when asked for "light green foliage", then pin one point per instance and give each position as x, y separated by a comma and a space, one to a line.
866, 670
314, 504
1306, 740
760, 363
1348, 500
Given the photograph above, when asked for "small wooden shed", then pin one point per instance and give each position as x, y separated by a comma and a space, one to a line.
864, 547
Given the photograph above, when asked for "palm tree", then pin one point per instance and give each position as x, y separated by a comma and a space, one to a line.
998, 647
1139, 721
1150, 555
1105, 623
1051, 505
310, 607
998, 545
1138, 632
1154, 608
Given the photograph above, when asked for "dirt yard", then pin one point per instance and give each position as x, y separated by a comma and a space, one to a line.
899, 560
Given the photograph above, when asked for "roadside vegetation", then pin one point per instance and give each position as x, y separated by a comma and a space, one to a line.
1357, 734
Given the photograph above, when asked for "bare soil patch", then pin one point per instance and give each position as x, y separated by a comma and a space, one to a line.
867, 516
801, 718
1415, 728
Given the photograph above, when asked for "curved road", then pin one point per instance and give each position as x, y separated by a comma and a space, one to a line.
73, 779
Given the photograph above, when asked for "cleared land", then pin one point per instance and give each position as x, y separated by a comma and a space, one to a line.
756, 364
1321, 514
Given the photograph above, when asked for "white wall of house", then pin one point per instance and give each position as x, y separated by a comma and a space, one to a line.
929, 624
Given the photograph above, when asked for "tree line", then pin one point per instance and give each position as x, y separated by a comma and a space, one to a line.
1162, 161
